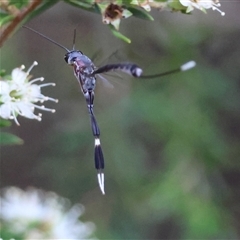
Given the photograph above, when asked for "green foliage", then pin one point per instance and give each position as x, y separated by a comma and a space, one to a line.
9, 139
4, 123
119, 35
12, 9
140, 13
5, 18
171, 145
3, 73
85, 5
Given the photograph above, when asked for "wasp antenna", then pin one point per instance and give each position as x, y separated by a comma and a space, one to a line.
74, 38
49, 39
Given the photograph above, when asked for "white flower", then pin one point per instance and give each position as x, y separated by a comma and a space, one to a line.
201, 5
19, 96
35, 214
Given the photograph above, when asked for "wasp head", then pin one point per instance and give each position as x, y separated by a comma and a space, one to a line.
70, 57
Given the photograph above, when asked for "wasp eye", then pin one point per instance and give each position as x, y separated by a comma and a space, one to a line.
66, 57
69, 59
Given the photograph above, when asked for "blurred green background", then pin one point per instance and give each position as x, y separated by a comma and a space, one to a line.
171, 145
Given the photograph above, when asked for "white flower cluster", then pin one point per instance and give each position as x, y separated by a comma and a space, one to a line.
35, 214
201, 5
18, 96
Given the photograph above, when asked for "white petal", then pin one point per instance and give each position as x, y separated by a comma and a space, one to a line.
5, 111
35, 91
185, 3
26, 110
19, 76
5, 92
19, 95
22, 208
4, 87
206, 4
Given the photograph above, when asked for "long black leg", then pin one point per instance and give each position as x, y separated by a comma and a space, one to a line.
184, 67
136, 71
98, 154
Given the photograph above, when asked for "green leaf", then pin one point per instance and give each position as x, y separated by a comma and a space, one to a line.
9, 139
102, 7
126, 2
87, 5
118, 34
2, 73
18, 4
140, 13
5, 18
4, 123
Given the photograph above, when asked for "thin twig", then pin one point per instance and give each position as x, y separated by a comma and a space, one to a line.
14, 23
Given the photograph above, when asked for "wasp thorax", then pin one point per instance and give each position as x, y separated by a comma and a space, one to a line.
71, 57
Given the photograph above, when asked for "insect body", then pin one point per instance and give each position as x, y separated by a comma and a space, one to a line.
83, 71
86, 72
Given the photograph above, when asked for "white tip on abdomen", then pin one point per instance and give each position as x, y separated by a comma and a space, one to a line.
101, 182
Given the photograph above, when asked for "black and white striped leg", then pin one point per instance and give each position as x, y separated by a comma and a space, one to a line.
136, 71
98, 154
129, 68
